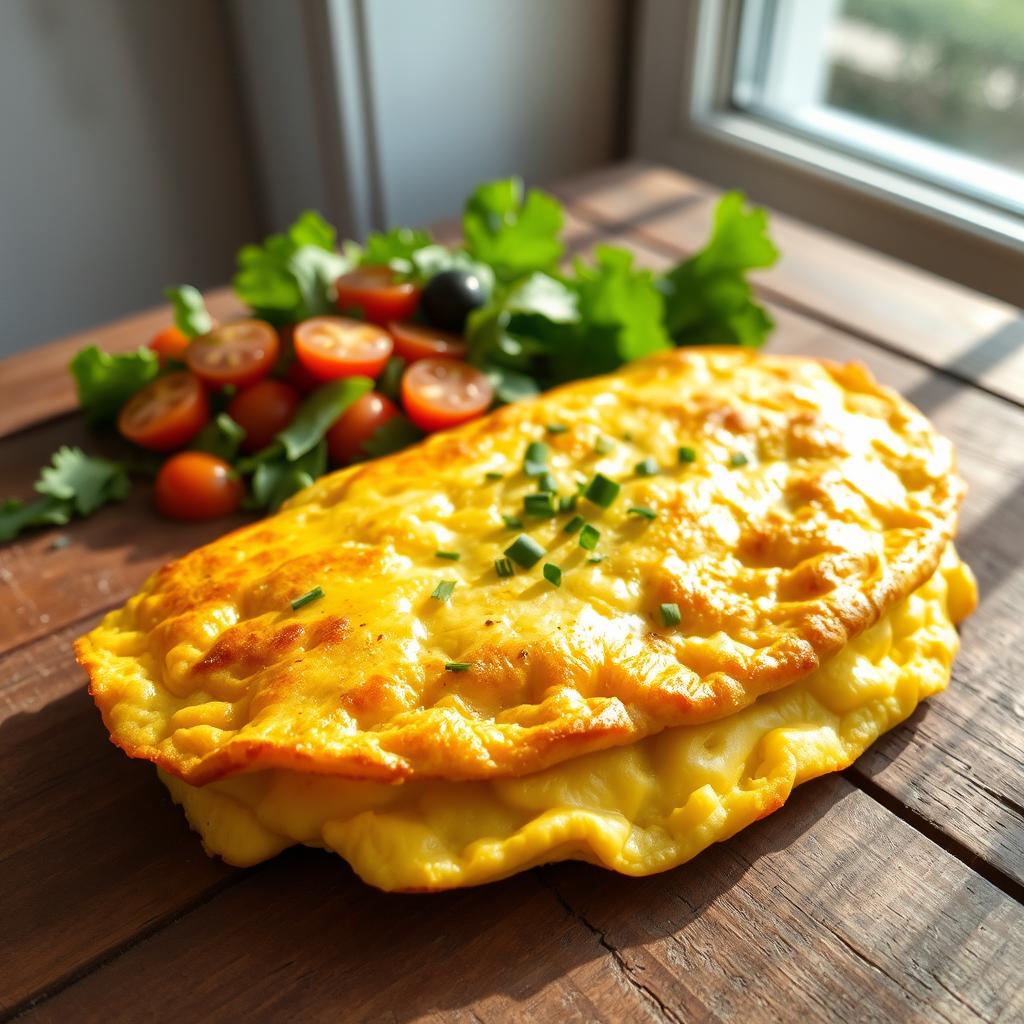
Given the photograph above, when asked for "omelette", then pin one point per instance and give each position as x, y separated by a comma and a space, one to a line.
616, 623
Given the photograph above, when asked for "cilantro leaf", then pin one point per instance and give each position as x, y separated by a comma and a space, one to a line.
393, 436
190, 313
396, 248
707, 297
222, 437
291, 276
105, 382
17, 516
515, 235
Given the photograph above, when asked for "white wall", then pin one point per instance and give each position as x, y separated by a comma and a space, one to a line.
121, 159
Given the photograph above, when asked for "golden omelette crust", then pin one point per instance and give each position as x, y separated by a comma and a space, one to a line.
844, 507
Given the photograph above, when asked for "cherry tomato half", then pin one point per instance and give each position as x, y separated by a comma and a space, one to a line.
195, 485
356, 425
238, 353
439, 393
334, 346
165, 414
170, 344
263, 410
415, 341
375, 291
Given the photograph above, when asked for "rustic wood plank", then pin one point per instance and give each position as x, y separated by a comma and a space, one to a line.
35, 385
92, 852
908, 310
831, 910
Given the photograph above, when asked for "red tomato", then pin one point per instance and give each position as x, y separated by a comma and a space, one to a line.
415, 341
239, 353
356, 425
301, 379
170, 344
165, 414
439, 393
333, 346
195, 485
375, 291
262, 410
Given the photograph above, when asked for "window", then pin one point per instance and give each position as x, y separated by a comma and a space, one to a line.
899, 123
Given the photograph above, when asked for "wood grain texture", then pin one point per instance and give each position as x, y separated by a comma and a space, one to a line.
908, 310
35, 385
831, 911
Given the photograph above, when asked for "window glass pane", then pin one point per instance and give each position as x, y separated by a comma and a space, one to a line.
949, 70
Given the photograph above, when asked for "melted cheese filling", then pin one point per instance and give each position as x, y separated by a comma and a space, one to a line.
637, 809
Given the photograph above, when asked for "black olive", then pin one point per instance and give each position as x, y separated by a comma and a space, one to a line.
449, 297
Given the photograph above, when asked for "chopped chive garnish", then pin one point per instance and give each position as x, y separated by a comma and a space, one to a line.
574, 525
541, 505
535, 461
627, 436
670, 614
552, 574
601, 491
314, 595
443, 590
642, 510
687, 454
594, 559
567, 504
648, 467
504, 568
458, 666
452, 556
604, 446
738, 459
525, 551
493, 474
512, 522
556, 428
546, 482
589, 536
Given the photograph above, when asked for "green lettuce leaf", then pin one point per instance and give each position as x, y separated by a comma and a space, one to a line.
190, 314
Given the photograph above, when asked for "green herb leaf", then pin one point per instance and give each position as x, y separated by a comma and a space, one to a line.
458, 666
397, 433
552, 574
87, 481
513, 234
221, 437
308, 598
395, 248
504, 568
687, 454
105, 382
512, 522
670, 615
589, 536
190, 313
707, 298
432, 260
647, 467
444, 590
451, 556
318, 413
541, 505
643, 511
574, 525
604, 446
493, 474
568, 504
17, 516
556, 428
389, 383
738, 459
535, 461
602, 491
546, 482
525, 551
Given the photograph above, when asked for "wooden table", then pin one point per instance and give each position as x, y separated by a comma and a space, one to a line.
891, 891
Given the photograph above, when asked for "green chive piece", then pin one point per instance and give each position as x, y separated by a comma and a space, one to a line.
670, 614
687, 454
443, 590
567, 504
458, 666
314, 595
493, 474
627, 436
738, 459
552, 574
604, 445
589, 536
541, 505
452, 556
648, 467
535, 461
556, 428
601, 491
642, 510
546, 482
525, 551
594, 559
574, 525
512, 522
504, 568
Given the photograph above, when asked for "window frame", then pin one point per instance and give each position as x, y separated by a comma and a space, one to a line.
684, 116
